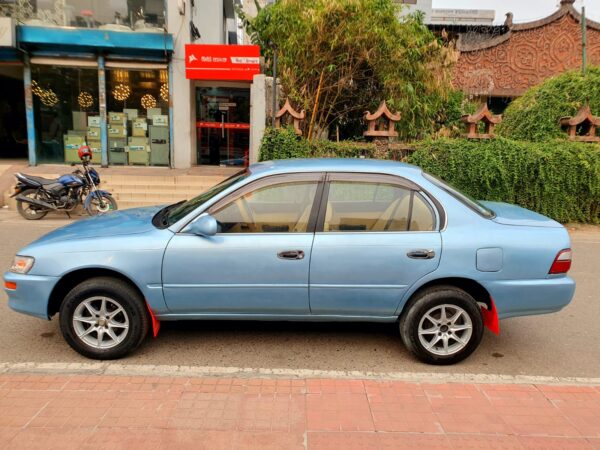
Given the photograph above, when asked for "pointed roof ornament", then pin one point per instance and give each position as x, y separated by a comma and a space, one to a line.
585, 121
483, 114
296, 116
382, 112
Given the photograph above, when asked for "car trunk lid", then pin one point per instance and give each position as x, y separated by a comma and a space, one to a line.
508, 214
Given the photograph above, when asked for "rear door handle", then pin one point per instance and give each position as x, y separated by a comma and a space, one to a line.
421, 254
291, 254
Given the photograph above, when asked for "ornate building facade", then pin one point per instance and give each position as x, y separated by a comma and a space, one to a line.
507, 64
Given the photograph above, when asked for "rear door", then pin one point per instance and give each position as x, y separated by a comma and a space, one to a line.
376, 235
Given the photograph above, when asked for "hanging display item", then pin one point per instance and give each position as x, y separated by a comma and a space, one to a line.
49, 98
164, 92
121, 92
36, 89
148, 101
85, 100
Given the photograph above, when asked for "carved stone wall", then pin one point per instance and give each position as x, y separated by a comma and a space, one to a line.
509, 64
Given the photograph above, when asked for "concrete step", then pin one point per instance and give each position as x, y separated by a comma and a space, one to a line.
158, 196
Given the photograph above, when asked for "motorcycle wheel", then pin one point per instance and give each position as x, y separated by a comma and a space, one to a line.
29, 211
94, 208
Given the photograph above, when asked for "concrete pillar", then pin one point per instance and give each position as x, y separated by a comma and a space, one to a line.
29, 111
102, 107
258, 115
210, 20
183, 115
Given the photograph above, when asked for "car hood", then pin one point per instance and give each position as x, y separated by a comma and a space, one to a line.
508, 214
128, 221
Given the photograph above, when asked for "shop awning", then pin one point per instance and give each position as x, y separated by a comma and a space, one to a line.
66, 40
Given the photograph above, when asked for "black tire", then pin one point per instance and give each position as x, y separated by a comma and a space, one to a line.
28, 211
117, 292
429, 301
94, 208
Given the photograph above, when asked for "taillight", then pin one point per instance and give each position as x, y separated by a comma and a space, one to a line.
562, 262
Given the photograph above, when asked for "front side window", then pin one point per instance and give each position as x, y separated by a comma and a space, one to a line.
277, 208
376, 207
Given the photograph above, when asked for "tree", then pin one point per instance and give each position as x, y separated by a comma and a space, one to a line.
339, 58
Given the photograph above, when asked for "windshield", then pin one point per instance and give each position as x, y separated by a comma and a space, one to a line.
463, 198
187, 207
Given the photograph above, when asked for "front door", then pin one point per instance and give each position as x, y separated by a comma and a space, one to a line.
257, 263
223, 128
376, 237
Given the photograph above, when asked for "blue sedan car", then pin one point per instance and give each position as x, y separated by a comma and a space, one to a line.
302, 240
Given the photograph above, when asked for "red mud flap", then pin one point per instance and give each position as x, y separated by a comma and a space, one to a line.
490, 318
155, 321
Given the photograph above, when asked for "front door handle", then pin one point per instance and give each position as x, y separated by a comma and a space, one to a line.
421, 254
291, 254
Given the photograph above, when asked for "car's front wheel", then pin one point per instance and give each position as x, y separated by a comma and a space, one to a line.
443, 325
103, 318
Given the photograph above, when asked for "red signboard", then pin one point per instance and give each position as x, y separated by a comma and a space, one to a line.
222, 62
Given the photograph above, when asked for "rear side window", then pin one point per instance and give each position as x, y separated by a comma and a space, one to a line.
461, 197
376, 207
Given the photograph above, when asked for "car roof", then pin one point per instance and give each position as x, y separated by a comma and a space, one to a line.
332, 165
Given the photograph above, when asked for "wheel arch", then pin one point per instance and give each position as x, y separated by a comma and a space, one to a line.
72, 279
470, 286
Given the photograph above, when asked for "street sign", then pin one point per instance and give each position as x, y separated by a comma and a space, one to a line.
222, 62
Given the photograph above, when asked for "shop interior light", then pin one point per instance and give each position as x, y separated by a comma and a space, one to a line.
85, 100
121, 92
49, 98
120, 76
163, 76
164, 92
148, 101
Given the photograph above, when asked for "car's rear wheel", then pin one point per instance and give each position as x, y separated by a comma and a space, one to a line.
442, 325
104, 318
29, 211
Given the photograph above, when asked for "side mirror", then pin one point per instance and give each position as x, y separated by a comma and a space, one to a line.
205, 225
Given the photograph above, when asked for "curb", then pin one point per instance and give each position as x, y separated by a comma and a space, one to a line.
112, 369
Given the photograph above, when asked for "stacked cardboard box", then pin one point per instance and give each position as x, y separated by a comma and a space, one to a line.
72, 142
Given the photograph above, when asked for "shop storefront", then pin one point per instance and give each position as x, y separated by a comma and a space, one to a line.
97, 75
222, 77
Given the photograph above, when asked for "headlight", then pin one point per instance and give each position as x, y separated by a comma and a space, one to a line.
22, 264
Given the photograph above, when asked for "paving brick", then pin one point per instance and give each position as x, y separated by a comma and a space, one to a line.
213, 413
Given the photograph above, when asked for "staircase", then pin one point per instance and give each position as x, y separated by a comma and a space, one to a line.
136, 191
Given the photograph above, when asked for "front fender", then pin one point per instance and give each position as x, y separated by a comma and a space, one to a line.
94, 194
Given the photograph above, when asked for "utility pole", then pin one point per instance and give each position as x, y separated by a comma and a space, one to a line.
583, 42
274, 85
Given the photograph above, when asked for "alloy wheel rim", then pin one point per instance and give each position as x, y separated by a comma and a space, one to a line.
445, 329
100, 322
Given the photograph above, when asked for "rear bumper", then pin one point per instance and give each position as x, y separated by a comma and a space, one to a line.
515, 298
31, 295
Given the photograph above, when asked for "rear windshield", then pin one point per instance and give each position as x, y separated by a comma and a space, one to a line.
463, 198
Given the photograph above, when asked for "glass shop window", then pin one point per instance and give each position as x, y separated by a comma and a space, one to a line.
65, 102
138, 116
115, 15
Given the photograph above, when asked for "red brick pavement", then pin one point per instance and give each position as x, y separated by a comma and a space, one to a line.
96, 412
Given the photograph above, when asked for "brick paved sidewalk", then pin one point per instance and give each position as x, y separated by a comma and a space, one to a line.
95, 412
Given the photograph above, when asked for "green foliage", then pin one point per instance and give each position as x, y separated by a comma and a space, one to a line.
339, 58
284, 144
535, 115
559, 179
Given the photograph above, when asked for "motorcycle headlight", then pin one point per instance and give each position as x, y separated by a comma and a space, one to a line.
22, 264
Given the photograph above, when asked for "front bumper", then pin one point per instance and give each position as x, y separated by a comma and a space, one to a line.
31, 295
514, 298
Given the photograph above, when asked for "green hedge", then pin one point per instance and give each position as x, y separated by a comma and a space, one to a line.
535, 115
560, 179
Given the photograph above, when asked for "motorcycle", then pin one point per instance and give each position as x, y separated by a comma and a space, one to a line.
37, 196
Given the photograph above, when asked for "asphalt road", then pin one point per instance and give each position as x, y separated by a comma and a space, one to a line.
565, 344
